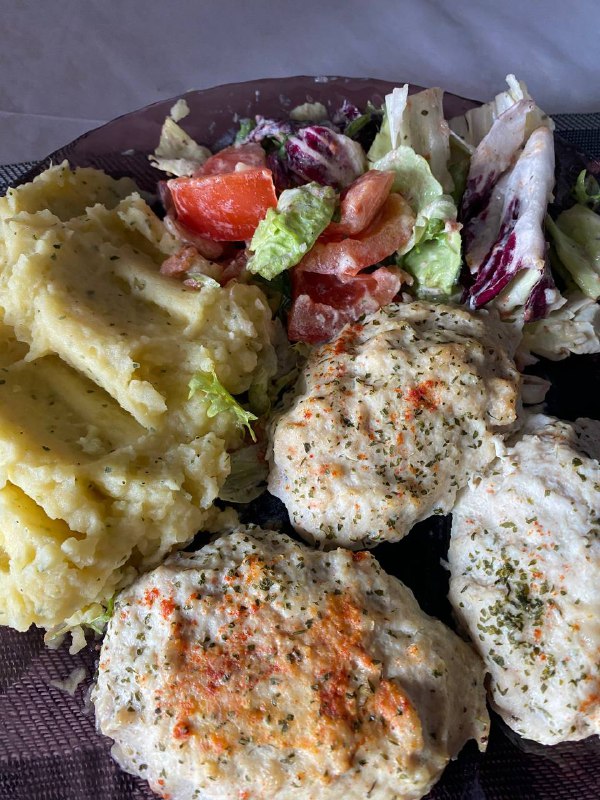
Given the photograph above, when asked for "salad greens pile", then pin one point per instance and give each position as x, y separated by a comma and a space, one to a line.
479, 186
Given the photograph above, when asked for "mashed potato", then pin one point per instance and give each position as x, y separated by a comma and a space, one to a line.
105, 463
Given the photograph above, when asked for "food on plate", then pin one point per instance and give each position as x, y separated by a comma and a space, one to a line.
573, 328
524, 560
391, 419
505, 248
226, 207
289, 231
258, 667
576, 238
108, 461
416, 195
142, 372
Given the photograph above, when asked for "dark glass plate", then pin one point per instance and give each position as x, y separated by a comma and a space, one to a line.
49, 749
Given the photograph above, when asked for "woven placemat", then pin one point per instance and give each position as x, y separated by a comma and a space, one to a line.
49, 749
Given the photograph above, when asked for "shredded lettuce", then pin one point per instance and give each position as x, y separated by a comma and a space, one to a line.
177, 153
413, 178
576, 239
382, 143
278, 292
583, 226
99, 623
248, 477
269, 390
424, 127
458, 167
95, 619
574, 328
288, 232
356, 125
220, 400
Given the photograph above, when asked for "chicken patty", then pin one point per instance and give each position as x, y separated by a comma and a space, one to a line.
390, 420
259, 668
525, 578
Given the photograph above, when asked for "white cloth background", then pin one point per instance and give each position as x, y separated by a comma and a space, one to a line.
69, 65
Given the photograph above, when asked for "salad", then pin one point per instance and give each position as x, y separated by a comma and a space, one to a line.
339, 214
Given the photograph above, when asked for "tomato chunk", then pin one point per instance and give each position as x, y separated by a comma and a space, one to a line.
226, 160
361, 202
389, 231
225, 207
324, 303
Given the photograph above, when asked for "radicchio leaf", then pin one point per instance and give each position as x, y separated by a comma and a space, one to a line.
346, 113
316, 153
362, 127
505, 247
276, 130
493, 156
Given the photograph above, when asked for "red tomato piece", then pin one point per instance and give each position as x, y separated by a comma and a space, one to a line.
390, 230
324, 303
225, 207
361, 202
226, 160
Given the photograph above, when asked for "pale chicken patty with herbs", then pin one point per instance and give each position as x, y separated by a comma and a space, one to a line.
258, 668
525, 578
390, 420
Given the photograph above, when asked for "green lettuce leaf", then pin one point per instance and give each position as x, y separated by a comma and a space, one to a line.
289, 231
268, 390
576, 239
278, 292
413, 178
309, 112
433, 253
434, 263
458, 167
386, 138
220, 400
382, 143
246, 125
99, 623
371, 115
423, 192
587, 190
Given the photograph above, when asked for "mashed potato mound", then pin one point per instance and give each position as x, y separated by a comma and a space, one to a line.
105, 463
